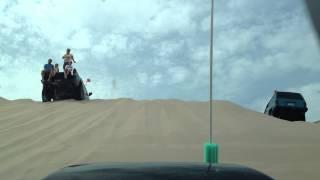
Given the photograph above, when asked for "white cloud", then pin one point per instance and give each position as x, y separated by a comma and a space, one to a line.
162, 62
110, 46
5, 60
174, 17
142, 78
177, 74
81, 39
156, 79
168, 48
15, 81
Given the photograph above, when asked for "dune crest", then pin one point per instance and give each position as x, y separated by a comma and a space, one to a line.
39, 138
3, 99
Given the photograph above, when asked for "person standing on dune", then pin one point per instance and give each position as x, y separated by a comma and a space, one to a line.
68, 57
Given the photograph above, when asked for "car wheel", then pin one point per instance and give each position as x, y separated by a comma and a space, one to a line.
271, 112
81, 93
302, 117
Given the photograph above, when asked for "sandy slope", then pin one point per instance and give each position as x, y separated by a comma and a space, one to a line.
39, 138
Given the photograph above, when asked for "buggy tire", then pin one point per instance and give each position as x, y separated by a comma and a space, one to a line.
44, 95
81, 93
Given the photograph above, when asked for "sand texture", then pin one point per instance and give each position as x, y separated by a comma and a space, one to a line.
39, 138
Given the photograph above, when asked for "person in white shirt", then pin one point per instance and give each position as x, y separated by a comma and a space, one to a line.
68, 70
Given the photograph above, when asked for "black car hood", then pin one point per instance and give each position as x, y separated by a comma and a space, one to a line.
157, 171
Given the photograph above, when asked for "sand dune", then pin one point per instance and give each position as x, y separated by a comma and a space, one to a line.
39, 138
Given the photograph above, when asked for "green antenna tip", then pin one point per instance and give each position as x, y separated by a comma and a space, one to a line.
211, 153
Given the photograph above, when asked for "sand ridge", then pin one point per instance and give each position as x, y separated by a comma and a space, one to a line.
39, 138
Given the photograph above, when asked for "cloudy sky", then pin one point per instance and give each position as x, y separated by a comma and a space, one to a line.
157, 49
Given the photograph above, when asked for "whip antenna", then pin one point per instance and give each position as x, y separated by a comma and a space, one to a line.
211, 149
211, 64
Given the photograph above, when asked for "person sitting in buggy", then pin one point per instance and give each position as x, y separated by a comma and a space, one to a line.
68, 57
47, 70
68, 69
54, 72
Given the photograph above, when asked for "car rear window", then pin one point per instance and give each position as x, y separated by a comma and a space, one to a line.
289, 95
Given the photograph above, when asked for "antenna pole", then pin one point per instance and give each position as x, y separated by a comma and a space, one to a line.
211, 149
211, 67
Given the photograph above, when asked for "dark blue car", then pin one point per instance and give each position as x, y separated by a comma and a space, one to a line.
287, 105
